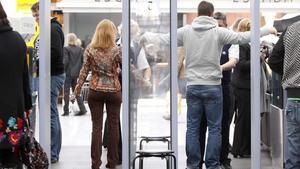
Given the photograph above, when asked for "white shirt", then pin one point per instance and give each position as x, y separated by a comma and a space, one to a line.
142, 62
234, 52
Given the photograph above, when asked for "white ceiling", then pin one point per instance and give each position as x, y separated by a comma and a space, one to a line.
184, 6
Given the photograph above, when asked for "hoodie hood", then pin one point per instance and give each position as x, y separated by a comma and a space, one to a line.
204, 23
5, 28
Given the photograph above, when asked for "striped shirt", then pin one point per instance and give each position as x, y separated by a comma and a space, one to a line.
291, 66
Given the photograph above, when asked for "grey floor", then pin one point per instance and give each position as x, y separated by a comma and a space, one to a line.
75, 152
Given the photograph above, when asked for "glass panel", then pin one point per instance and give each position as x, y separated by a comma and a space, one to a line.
149, 77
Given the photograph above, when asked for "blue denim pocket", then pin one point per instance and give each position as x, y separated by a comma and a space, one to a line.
293, 111
290, 115
213, 96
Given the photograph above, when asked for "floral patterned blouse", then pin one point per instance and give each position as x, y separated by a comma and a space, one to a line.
105, 67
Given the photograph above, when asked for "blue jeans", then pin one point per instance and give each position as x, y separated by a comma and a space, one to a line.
56, 85
293, 134
204, 99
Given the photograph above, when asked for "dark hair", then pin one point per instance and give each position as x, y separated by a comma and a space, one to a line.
205, 8
220, 16
3, 16
35, 7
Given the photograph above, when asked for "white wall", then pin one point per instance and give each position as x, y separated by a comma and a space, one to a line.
9, 7
184, 6
84, 24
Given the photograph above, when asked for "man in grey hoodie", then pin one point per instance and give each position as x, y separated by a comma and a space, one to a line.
203, 42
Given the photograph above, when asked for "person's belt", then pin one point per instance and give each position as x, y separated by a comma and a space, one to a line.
293, 92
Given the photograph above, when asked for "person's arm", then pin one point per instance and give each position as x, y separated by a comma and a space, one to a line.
57, 41
26, 85
230, 37
119, 56
81, 56
165, 39
276, 58
229, 64
66, 58
233, 54
142, 64
180, 35
83, 72
147, 74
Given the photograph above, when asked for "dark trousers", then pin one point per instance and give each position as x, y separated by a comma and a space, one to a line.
106, 141
242, 132
233, 105
70, 82
112, 101
9, 159
225, 129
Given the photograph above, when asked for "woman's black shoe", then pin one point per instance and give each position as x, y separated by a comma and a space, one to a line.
66, 113
241, 156
81, 113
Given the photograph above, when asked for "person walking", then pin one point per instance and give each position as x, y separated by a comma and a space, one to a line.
15, 91
103, 58
73, 60
57, 80
284, 60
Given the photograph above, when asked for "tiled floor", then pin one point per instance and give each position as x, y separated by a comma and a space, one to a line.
75, 152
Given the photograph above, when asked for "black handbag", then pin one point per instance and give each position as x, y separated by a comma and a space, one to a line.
32, 154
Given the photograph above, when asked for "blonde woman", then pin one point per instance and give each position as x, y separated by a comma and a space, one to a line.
241, 92
102, 57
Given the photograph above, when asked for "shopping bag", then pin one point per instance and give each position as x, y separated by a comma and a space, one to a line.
74, 108
32, 153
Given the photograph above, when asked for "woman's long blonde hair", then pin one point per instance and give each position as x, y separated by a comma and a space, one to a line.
105, 35
244, 25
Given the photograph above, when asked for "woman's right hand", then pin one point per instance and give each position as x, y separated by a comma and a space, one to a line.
77, 90
28, 112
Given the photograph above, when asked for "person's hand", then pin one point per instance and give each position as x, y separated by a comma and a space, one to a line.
147, 83
28, 112
222, 68
263, 54
77, 90
273, 30
72, 98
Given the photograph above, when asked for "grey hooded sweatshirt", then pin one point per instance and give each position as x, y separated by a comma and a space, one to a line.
203, 42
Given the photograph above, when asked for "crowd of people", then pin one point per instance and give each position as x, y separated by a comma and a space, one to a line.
216, 61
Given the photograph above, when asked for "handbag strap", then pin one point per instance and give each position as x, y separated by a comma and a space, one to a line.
26, 117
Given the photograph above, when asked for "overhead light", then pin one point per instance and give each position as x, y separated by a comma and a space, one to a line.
147, 8
150, 5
